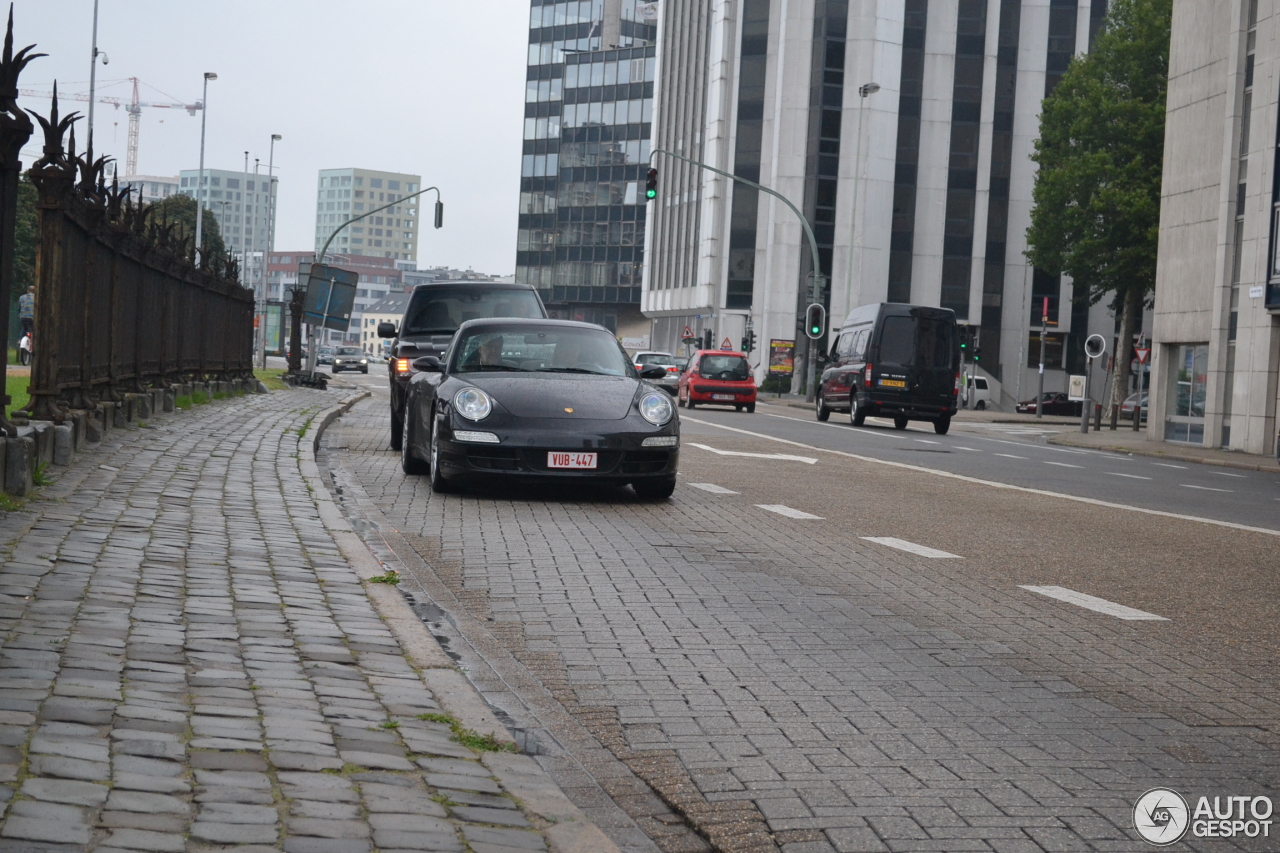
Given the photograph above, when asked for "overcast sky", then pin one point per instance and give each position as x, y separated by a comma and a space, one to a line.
429, 87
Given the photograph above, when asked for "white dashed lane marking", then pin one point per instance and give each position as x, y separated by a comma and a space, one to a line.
789, 512
1091, 602
1063, 464
713, 488
912, 548
1225, 474
1205, 488
783, 456
1167, 465
1130, 476
1010, 456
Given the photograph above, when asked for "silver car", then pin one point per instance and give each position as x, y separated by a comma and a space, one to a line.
669, 383
350, 358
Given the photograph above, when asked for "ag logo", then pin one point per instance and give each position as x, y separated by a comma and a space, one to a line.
1161, 816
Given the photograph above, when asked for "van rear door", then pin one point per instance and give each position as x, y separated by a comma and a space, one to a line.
915, 359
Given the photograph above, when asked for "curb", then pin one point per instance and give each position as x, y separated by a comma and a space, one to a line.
565, 827
1269, 468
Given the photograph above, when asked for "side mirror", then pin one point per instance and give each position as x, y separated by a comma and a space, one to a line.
656, 371
427, 364
386, 330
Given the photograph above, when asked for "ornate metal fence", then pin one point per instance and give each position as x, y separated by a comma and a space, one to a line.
121, 304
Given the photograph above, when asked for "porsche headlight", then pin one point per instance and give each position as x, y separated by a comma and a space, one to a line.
655, 407
473, 404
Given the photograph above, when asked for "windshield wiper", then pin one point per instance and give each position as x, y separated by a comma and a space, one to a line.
571, 370
477, 368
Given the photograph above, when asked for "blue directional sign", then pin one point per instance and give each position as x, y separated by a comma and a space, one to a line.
331, 295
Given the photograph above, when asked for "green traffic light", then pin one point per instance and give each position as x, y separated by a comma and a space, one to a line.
651, 193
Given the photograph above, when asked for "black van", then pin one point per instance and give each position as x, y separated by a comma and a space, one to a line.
894, 360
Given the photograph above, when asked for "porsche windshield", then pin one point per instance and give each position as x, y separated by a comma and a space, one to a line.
556, 349
441, 310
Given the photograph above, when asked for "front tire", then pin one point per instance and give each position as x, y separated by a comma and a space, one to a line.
365, 371
655, 490
824, 414
439, 484
980, 405
942, 424
899, 423
751, 408
690, 404
411, 465
857, 411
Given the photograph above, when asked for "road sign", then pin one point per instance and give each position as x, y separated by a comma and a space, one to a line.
726, 344
331, 295
687, 334
1075, 388
1142, 352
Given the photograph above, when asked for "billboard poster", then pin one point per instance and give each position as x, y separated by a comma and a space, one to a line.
275, 328
781, 356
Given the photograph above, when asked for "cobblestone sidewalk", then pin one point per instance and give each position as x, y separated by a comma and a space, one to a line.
189, 663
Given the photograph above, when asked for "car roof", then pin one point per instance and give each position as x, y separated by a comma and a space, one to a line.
492, 285
652, 352
720, 352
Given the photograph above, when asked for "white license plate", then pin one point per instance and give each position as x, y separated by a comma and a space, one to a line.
721, 396
571, 460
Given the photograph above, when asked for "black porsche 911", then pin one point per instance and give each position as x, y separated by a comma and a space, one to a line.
539, 399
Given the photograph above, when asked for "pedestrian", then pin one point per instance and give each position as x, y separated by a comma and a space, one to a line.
27, 310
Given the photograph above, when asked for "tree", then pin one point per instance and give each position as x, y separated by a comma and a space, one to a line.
1101, 155
182, 209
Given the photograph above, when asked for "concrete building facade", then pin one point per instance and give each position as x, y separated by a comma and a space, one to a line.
1216, 334
345, 193
151, 188
918, 187
238, 201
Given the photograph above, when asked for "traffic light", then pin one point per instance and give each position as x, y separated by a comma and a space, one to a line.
651, 184
749, 341
977, 353
439, 214
815, 320
708, 339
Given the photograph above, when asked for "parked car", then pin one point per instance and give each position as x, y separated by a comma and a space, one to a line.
324, 355
671, 381
434, 313
719, 378
1055, 403
979, 393
1126, 408
894, 360
350, 358
539, 400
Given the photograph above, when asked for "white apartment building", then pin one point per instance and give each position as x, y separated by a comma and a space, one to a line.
342, 194
1215, 377
151, 188
918, 186
238, 201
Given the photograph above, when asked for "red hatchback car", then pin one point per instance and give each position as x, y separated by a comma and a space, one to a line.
720, 378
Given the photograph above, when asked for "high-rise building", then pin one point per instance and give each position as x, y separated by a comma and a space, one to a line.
238, 201
150, 188
902, 131
342, 194
588, 107
1215, 377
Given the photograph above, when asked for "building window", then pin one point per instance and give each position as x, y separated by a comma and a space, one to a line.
744, 212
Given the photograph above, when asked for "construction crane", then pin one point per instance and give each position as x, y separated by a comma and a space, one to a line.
133, 107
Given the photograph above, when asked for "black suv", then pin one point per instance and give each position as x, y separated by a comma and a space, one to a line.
434, 313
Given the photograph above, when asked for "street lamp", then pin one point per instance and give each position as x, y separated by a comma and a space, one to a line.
93, 68
262, 296
200, 190
864, 91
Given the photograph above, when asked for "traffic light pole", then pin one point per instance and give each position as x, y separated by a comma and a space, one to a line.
808, 231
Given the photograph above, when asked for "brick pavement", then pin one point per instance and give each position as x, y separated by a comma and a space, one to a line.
188, 663
767, 687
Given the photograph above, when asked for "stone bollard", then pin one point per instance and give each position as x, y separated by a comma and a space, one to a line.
157, 400
63, 442
142, 407
42, 433
167, 401
19, 464
260, 387
93, 424
120, 414
78, 421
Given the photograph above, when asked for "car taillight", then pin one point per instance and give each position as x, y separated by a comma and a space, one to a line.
866, 377
955, 392
402, 365
673, 370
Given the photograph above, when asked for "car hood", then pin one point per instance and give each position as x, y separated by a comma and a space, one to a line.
547, 395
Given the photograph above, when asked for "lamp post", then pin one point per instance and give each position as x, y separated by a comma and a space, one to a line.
93, 69
200, 189
864, 91
262, 296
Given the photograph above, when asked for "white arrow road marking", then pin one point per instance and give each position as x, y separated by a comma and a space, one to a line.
713, 488
1090, 602
913, 548
789, 512
784, 456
